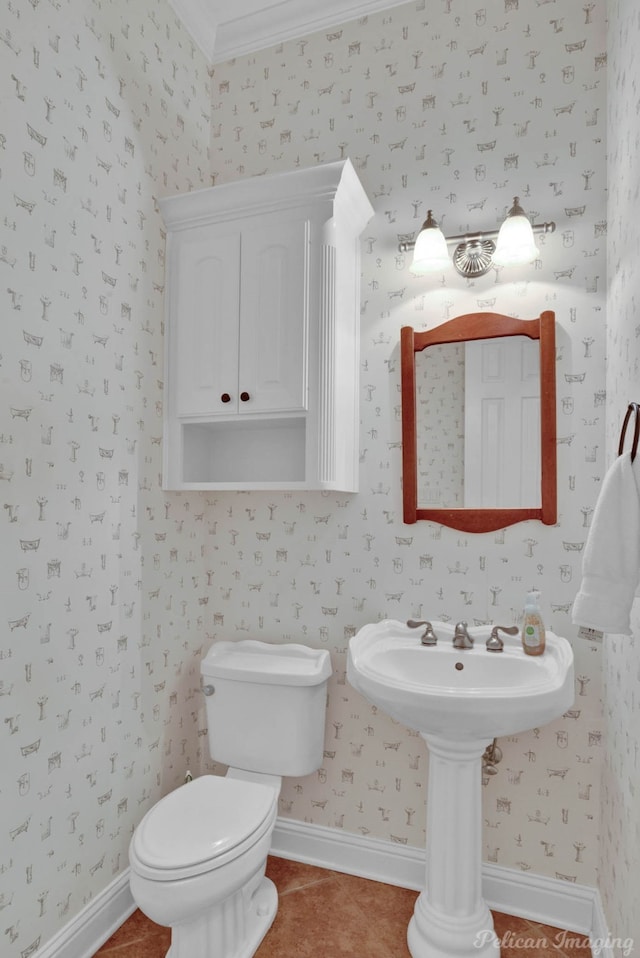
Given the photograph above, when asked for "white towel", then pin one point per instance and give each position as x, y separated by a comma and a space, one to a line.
611, 561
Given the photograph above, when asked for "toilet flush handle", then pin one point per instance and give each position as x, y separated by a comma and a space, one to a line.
208, 689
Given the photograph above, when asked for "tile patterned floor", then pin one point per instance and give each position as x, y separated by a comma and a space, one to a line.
325, 914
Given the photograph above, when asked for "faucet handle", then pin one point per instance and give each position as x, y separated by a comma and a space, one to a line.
428, 636
494, 642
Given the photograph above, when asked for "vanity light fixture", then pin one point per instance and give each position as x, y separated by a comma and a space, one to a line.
475, 253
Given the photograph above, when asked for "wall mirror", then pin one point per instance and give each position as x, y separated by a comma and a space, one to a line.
479, 421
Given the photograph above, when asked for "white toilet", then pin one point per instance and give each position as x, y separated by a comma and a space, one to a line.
198, 857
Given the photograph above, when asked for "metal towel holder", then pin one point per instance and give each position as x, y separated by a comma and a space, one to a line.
633, 407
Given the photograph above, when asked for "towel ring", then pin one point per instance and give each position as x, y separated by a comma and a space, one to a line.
633, 407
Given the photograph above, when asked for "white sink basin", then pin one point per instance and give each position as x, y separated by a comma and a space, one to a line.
460, 693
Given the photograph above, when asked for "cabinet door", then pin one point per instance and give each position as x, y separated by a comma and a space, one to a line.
205, 310
274, 308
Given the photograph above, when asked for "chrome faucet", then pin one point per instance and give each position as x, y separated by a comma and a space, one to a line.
461, 637
428, 637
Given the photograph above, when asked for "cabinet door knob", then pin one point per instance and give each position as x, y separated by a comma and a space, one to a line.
225, 397
245, 397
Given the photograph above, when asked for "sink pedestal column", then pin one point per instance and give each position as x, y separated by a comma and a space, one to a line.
451, 919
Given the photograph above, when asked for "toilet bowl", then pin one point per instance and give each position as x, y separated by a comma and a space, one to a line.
198, 857
203, 873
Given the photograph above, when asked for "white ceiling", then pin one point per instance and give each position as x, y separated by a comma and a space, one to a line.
224, 29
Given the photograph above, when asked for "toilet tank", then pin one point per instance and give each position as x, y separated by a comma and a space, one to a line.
266, 705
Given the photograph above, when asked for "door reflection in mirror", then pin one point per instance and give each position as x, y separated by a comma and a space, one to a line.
502, 423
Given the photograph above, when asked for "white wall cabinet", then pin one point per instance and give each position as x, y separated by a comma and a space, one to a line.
262, 332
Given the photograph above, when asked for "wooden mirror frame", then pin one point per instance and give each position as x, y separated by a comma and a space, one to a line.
469, 327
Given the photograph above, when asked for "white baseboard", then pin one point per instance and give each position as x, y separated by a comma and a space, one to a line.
384, 861
84, 934
562, 904
602, 944
550, 901
576, 908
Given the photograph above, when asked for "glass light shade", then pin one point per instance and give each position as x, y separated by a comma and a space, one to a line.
515, 243
430, 253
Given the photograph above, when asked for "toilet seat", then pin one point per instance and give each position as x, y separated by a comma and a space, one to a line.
201, 826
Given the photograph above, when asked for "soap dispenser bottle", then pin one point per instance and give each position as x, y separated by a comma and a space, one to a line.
533, 637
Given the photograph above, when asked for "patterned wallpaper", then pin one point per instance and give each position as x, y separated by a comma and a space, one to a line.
112, 588
620, 818
104, 105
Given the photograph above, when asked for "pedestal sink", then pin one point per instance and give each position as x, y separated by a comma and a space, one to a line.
459, 700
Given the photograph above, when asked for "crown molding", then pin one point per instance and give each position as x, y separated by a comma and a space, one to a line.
199, 20
260, 24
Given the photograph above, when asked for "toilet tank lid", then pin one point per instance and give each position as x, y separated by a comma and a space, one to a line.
252, 661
